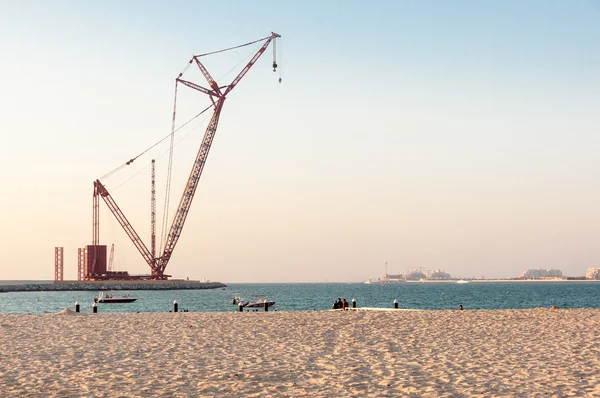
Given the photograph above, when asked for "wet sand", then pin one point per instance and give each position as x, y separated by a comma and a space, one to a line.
302, 354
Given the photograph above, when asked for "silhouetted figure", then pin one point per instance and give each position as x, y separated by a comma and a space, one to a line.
339, 304
460, 307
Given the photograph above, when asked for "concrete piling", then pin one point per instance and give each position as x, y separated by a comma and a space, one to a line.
353, 303
94, 308
395, 303
175, 306
76, 306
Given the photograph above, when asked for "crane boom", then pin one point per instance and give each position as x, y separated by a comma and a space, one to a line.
211, 82
135, 238
95, 218
197, 87
190, 188
251, 62
153, 212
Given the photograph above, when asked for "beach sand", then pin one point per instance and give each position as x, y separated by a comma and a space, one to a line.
302, 354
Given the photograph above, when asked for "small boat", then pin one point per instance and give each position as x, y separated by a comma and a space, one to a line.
462, 281
111, 297
259, 303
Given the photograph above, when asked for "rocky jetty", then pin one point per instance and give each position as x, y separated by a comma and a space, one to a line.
112, 285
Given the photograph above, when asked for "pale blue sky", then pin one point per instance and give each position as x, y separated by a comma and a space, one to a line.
453, 135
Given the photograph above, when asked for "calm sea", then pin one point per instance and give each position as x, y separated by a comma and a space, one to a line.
320, 296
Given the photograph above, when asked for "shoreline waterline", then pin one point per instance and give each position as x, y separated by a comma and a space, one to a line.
301, 297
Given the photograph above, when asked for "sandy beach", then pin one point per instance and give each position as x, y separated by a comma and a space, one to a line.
302, 354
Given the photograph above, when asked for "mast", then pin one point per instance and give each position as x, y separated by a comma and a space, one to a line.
385, 276
111, 258
153, 212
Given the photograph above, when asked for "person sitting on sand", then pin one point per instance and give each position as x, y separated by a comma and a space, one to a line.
335, 305
345, 305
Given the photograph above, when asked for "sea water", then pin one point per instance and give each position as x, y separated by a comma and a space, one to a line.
320, 296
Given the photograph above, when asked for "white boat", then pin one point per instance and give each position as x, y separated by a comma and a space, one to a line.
259, 303
110, 297
462, 281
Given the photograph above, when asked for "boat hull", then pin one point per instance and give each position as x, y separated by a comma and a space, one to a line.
260, 305
115, 300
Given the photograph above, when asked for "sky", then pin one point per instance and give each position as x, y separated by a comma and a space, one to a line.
455, 135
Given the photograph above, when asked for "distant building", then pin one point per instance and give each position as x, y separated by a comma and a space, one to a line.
541, 273
415, 276
393, 277
593, 273
438, 274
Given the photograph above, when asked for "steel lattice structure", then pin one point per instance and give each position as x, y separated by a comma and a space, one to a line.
217, 95
58, 264
81, 264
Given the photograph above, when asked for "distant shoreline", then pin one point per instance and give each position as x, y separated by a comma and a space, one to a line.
502, 280
7, 285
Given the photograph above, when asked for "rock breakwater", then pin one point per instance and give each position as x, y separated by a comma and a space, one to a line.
112, 285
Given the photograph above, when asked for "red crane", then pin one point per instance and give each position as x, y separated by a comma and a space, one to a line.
217, 95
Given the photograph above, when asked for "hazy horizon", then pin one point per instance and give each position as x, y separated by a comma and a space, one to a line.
461, 136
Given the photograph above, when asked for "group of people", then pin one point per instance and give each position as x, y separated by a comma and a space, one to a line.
340, 304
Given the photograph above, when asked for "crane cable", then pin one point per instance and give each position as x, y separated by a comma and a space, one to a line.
169, 172
159, 156
204, 110
173, 131
236, 66
167, 195
194, 117
233, 48
280, 68
158, 142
